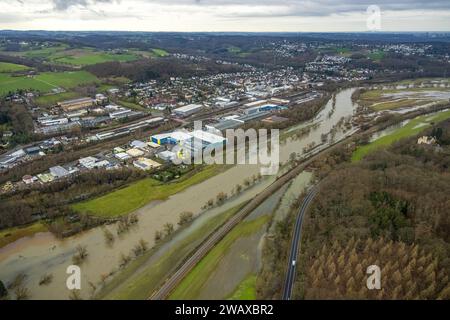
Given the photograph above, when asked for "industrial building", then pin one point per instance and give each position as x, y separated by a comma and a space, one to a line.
171, 137
188, 110
76, 104
59, 172
146, 164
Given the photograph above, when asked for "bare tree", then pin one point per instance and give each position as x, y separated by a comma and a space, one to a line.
168, 228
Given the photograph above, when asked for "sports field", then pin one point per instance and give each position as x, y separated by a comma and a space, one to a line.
46, 81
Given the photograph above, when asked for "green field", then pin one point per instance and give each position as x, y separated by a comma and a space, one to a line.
94, 58
62, 54
246, 289
12, 234
191, 285
45, 82
160, 52
376, 55
44, 53
413, 127
138, 194
52, 99
12, 67
131, 105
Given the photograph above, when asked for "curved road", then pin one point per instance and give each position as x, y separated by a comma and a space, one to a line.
290, 276
170, 283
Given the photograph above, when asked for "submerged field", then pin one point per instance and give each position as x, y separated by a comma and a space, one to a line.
246, 290
138, 194
392, 98
413, 127
191, 286
132, 284
12, 234
45, 82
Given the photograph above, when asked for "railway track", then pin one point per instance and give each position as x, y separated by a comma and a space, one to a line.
170, 284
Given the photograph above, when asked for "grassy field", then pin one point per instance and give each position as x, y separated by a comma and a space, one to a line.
12, 234
246, 289
191, 285
52, 99
160, 52
46, 81
413, 127
41, 53
131, 105
12, 67
93, 58
376, 55
138, 194
129, 285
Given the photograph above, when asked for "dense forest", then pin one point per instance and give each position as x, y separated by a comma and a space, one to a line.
52, 200
17, 117
164, 68
395, 201
391, 209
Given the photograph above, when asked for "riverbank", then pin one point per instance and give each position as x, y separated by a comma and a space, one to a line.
192, 284
137, 282
413, 127
10, 235
138, 194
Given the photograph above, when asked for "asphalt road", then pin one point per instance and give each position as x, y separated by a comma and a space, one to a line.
173, 280
290, 276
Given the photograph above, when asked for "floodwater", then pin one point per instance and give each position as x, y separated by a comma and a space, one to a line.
43, 253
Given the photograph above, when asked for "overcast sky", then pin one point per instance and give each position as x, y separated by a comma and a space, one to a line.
223, 15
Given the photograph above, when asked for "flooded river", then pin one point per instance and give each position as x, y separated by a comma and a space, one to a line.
43, 253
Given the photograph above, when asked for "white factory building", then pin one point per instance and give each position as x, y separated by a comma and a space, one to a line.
188, 110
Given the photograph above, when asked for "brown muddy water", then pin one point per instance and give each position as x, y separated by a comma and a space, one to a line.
43, 253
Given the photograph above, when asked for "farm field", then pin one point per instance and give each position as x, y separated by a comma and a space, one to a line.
376, 55
92, 57
413, 127
45, 82
12, 67
160, 52
138, 194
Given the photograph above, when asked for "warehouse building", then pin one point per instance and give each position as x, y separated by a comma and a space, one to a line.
146, 164
188, 110
59, 172
76, 104
171, 137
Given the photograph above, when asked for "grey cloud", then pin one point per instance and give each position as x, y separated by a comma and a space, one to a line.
61, 5
310, 7
267, 8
